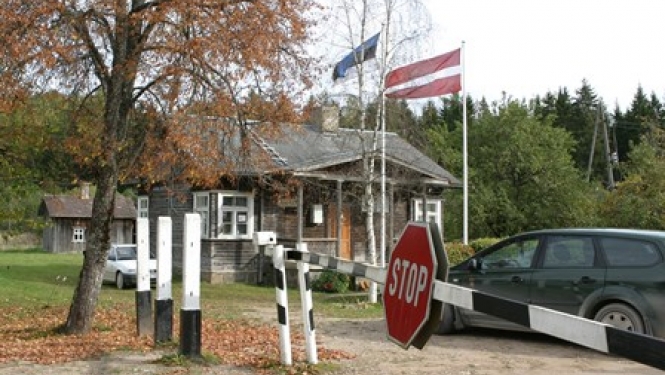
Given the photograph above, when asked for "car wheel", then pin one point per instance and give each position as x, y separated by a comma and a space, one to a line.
120, 280
621, 316
447, 320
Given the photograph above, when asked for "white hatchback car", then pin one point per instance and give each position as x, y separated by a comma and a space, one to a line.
121, 266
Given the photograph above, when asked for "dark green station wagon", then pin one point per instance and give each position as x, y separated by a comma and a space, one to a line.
615, 276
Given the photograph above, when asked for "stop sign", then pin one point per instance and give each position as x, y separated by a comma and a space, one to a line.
407, 296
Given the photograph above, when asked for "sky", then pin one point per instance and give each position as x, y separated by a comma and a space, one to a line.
529, 47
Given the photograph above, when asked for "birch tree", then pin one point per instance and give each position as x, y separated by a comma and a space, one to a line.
402, 23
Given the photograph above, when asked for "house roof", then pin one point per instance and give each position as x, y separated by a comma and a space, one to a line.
68, 206
307, 148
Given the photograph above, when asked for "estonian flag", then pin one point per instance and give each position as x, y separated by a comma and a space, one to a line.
362, 53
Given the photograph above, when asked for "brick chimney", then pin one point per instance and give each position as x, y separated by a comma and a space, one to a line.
327, 117
85, 190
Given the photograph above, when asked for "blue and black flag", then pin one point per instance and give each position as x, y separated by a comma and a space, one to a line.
362, 53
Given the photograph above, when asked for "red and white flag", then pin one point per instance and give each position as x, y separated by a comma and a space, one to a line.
449, 79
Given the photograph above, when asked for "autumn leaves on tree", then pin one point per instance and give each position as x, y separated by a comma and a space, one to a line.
139, 71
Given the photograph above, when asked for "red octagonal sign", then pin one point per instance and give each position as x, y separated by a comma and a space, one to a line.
407, 295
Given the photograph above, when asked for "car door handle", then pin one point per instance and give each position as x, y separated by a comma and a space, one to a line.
584, 280
516, 279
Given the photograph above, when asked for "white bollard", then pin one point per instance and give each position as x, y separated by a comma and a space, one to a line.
307, 307
190, 313
282, 305
164, 301
144, 324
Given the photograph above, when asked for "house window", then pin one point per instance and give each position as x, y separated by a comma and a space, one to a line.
142, 204
202, 207
225, 215
235, 215
78, 235
432, 211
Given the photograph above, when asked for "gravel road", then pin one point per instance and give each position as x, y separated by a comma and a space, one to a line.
474, 352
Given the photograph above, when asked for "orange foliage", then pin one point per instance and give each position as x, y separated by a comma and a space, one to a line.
141, 74
31, 336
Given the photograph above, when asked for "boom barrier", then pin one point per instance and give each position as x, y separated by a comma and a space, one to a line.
602, 337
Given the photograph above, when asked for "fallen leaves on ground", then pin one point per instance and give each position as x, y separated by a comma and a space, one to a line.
31, 336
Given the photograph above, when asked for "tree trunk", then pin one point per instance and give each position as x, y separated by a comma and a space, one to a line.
82, 309
369, 223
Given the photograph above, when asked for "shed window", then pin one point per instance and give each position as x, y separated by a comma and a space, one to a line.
78, 235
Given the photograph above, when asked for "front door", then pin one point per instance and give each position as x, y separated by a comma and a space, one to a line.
504, 270
345, 245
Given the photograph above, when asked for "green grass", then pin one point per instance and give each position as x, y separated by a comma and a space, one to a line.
34, 278
31, 278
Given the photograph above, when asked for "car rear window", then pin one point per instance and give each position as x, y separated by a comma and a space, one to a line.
621, 252
126, 253
569, 252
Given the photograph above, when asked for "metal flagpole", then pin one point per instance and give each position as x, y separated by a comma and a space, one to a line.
382, 263
465, 177
382, 241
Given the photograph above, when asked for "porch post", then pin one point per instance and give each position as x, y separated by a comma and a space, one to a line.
424, 202
338, 250
391, 230
300, 213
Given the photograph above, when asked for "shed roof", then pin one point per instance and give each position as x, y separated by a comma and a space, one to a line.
68, 206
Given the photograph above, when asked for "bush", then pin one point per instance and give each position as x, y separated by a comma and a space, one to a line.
331, 282
457, 252
481, 243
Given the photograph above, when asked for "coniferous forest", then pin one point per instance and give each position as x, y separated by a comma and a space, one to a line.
557, 160
563, 159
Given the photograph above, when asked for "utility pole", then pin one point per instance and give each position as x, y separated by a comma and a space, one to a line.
608, 156
593, 147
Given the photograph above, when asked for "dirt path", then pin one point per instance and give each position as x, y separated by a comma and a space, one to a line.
478, 352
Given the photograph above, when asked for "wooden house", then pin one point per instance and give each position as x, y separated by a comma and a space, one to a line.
321, 205
69, 216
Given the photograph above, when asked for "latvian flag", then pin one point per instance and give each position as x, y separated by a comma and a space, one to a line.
446, 67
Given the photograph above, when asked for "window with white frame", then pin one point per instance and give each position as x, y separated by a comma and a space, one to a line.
202, 207
78, 235
142, 205
432, 211
235, 215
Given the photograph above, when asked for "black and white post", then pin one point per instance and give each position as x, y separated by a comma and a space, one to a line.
307, 307
143, 298
190, 313
282, 305
164, 301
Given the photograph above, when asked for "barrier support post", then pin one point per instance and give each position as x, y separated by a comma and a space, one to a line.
282, 305
307, 307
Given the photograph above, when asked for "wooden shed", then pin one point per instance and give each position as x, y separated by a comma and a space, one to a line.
69, 217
